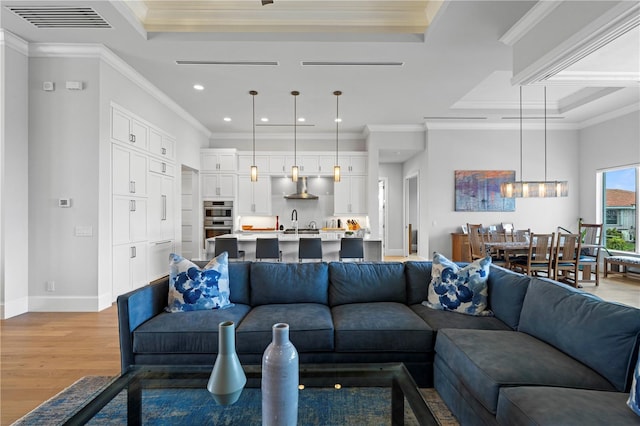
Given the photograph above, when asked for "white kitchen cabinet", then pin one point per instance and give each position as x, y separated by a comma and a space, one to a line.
129, 172
246, 161
160, 144
128, 130
158, 254
353, 164
308, 164
129, 268
217, 161
325, 164
278, 166
350, 195
161, 205
218, 185
161, 167
254, 198
129, 218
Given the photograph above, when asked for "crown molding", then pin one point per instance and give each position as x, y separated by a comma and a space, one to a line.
609, 26
609, 116
474, 125
134, 12
99, 51
533, 17
392, 128
287, 136
9, 39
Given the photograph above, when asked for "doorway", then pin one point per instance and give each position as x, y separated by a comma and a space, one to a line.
411, 244
190, 212
382, 212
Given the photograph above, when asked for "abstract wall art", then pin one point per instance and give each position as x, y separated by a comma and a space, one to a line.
479, 191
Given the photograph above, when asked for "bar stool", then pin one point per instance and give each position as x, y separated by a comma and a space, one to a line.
230, 245
268, 248
309, 248
351, 248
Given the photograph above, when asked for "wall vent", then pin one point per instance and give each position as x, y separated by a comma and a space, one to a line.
60, 17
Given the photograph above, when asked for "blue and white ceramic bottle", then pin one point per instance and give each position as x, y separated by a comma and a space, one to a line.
280, 380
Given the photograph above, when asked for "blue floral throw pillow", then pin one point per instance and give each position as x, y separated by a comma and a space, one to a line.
457, 289
634, 396
193, 289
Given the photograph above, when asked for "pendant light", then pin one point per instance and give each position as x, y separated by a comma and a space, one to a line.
254, 168
549, 188
336, 168
515, 189
294, 168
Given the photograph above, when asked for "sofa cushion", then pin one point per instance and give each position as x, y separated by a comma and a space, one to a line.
185, 332
486, 360
634, 396
438, 319
192, 288
366, 282
238, 280
380, 327
603, 335
310, 327
506, 294
462, 290
529, 405
418, 277
289, 283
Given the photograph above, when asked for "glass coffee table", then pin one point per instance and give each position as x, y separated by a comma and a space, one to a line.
329, 394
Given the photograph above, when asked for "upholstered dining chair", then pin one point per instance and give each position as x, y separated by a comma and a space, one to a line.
230, 245
566, 259
591, 234
351, 248
309, 248
539, 258
268, 248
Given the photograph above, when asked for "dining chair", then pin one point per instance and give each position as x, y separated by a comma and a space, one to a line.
476, 243
539, 258
566, 258
230, 245
351, 248
309, 248
497, 255
522, 235
268, 248
591, 235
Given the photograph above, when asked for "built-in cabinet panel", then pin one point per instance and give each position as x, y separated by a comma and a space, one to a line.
143, 203
326, 163
246, 161
218, 161
254, 198
350, 196
353, 164
218, 185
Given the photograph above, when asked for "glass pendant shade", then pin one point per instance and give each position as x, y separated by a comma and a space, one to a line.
336, 173
294, 173
254, 173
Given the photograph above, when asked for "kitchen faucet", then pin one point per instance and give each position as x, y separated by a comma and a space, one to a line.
294, 213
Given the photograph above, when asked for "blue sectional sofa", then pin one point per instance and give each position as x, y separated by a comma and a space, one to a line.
550, 355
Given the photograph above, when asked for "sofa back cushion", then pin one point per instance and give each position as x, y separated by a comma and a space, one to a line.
602, 335
238, 280
289, 283
353, 282
418, 277
506, 294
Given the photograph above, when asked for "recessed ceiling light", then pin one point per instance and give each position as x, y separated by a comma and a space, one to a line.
227, 119
264, 119
198, 86
338, 120
301, 119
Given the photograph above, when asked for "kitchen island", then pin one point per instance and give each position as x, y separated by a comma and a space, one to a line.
289, 245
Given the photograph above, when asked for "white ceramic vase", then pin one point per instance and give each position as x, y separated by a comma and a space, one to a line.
227, 377
280, 380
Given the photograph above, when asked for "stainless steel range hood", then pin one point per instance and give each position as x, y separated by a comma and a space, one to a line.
301, 191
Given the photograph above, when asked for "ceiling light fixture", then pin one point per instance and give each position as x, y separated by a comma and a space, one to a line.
336, 168
227, 119
294, 168
530, 189
264, 119
254, 168
198, 87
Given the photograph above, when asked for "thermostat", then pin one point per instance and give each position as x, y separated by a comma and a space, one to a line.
64, 202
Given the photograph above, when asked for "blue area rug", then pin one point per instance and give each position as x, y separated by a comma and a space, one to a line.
196, 407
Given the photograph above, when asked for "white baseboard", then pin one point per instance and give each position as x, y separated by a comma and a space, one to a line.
64, 304
14, 308
393, 252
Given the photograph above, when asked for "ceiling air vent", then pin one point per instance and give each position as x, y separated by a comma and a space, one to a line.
60, 17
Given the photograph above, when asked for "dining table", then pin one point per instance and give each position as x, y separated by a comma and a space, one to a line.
507, 249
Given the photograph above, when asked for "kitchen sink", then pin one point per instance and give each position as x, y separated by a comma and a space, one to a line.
302, 231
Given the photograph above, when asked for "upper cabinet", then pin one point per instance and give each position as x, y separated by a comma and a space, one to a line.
353, 164
128, 130
161, 144
218, 160
246, 161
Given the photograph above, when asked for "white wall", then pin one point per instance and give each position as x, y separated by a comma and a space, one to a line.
610, 144
451, 150
394, 207
14, 203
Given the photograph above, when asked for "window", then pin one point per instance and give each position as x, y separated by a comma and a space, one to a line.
620, 201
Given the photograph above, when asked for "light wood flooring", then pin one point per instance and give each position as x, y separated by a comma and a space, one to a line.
43, 353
